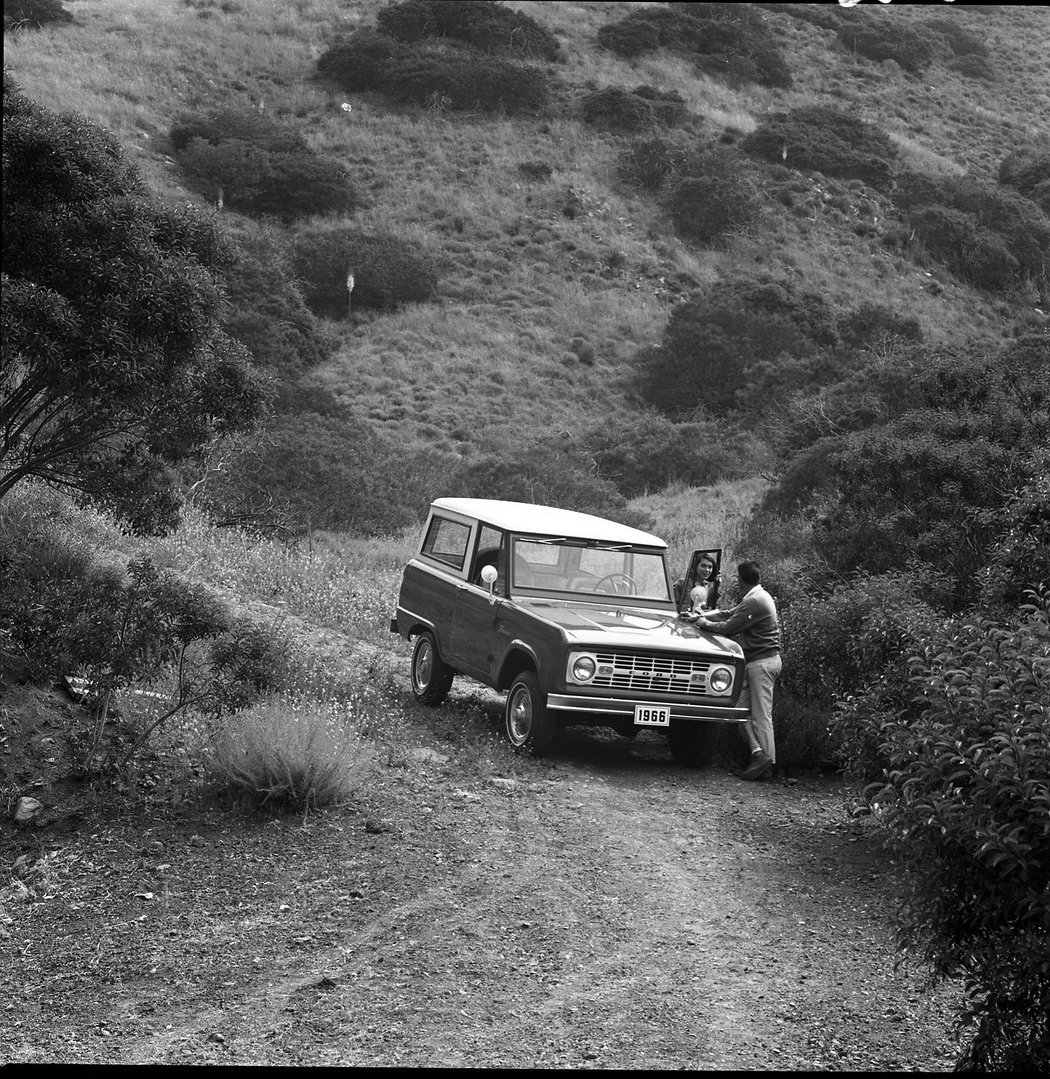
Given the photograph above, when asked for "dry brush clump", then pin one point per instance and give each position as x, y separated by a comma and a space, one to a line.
293, 753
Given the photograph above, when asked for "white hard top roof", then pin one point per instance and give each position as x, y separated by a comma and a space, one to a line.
546, 521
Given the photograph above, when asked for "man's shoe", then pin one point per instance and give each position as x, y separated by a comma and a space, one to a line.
760, 765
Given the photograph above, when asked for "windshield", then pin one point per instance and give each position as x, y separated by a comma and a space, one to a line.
586, 568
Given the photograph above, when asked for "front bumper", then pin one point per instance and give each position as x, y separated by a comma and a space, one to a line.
619, 706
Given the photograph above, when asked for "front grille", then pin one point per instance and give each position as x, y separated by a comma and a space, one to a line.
656, 671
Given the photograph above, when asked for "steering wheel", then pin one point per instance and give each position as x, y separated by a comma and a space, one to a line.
629, 586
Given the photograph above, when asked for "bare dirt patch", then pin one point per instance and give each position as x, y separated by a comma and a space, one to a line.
602, 908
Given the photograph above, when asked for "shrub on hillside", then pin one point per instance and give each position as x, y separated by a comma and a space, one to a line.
455, 79
889, 39
961, 42
241, 159
267, 312
388, 272
1003, 219
724, 39
650, 454
653, 162
549, 473
668, 106
630, 36
706, 208
33, 14
1026, 167
825, 139
485, 25
62, 614
957, 239
872, 323
1021, 559
359, 63
975, 67
618, 110
965, 797
714, 344
308, 470
856, 640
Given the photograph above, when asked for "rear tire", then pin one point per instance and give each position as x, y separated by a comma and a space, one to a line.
431, 676
693, 744
529, 725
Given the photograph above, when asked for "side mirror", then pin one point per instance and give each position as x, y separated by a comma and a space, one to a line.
488, 576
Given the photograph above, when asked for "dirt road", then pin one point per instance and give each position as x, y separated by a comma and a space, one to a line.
604, 908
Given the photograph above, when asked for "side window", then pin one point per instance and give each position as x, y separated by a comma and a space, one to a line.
446, 541
492, 551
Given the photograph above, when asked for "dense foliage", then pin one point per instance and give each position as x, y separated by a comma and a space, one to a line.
828, 140
64, 614
890, 39
482, 24
33, 14
387, 271
728, 40
242, 159
112, 312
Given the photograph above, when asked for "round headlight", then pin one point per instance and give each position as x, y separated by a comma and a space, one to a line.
719, 680
583, 668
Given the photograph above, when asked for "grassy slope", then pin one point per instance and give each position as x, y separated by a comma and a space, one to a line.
494, 360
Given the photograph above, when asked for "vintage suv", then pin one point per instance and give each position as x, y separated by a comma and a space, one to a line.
575, 617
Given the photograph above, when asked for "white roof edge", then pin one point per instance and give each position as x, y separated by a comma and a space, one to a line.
547, 520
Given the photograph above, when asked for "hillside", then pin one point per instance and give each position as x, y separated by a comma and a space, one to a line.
553, 272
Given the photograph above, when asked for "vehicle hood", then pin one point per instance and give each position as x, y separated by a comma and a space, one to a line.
603, 625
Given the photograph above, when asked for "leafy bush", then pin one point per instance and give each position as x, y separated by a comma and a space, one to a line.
856, 640
965, 798
705, 208
872, 323
63, 614
359, 63
314, 467
485, 25
713, 345
668, 106
240, 158
1021, 558
653, 162
725, 39
633, 35
889, 39
650, 453
1026, 167
33, 14
388, 272
449, 78
956, 239
267, 312
549, 473
961, 42
825, 139
975, 67
618, 110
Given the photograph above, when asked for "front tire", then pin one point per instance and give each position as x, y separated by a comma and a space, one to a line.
529, 725
431, 676
693, 744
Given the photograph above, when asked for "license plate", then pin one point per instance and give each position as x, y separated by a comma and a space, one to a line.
652, 715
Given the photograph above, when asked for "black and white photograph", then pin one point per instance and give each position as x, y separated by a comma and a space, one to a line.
525, 535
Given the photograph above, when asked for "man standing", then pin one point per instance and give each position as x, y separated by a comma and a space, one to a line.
753, 623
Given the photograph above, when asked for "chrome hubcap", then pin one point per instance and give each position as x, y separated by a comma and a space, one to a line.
520, 716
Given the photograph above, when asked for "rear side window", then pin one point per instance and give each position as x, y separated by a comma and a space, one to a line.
447, 541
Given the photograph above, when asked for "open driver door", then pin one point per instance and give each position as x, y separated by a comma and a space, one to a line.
684, 587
